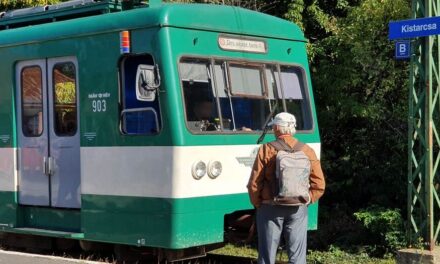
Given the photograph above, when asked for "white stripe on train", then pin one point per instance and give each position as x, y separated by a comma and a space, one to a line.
162, 172
148, 171
8, 173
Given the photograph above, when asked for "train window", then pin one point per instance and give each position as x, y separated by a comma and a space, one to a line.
275, 95
238, 97
244, 102
297, 102
246, 80
200, 102
140, 110
64, 94
32, 101
136, 119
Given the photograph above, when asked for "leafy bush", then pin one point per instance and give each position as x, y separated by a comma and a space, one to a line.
333, 255
385, 228
337, 255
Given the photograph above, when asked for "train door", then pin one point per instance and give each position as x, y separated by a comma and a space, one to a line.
48, 133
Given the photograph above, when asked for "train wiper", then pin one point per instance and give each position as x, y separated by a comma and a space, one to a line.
265, 127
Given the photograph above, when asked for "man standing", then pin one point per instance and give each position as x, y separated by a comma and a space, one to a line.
273, 218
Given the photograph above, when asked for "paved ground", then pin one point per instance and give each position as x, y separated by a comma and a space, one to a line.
13, 257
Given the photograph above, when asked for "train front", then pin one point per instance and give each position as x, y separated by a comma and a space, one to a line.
229, 70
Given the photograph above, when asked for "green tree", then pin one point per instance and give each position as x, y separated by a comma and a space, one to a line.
14, 4
361, 91
259, 5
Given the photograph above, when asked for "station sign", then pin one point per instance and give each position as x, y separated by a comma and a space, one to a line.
412, 28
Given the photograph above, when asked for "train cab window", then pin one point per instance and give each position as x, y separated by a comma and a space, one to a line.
247, 80
32, 101
200, 102
239, 96
274, 93
243, 95
65, 107
295, 96
140, 101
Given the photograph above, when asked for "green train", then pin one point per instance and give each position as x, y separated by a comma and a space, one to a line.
137, 125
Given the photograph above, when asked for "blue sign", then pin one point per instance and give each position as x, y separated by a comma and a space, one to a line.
420, 27
403, 49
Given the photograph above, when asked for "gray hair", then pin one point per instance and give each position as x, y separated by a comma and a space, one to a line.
287, 130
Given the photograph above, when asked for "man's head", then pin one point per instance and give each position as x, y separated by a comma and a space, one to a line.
203, 110
283, 124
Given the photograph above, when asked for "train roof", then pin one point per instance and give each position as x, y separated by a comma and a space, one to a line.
207, 17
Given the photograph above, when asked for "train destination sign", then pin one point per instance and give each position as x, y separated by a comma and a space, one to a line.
235, 44
412, 28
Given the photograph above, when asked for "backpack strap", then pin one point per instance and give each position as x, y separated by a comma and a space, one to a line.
281, 145
298, 146
278, 145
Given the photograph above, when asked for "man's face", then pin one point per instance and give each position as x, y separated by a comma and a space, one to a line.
203, 110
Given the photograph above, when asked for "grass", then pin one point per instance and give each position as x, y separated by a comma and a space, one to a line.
333, 256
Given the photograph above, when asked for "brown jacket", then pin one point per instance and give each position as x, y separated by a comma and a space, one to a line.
262, 178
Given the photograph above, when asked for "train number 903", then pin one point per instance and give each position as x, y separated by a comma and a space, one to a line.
99, 105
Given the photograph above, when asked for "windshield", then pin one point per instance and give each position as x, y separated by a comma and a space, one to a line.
237, 97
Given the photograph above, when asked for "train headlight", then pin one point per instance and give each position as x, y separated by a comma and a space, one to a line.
214, 169
198, 170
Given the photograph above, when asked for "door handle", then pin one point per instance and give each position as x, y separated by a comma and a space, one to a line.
45, 165
49, 166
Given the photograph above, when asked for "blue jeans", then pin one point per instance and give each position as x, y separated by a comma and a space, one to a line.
271, 221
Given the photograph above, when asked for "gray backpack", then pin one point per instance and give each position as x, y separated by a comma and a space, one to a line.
292, 174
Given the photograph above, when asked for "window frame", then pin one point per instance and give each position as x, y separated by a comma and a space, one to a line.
54, 99
213, 59
132, 110
260, 67
121, 96
306, 91
182, 93
22, 100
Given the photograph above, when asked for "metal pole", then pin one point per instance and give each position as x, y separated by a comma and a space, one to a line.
423, 138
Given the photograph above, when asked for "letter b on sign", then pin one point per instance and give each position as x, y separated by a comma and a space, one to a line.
403, 49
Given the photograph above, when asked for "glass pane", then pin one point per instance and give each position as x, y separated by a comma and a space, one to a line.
140, 122
193, 71
220, 80
247, 93
65, 108
32, 101
273, 82
296, 101
247, 110
246, 80
200, 102
291, 84
248, 114
274, 89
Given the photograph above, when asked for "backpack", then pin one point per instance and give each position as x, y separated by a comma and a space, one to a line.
292, 174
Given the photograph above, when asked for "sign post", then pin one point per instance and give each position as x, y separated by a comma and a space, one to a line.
424, 119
